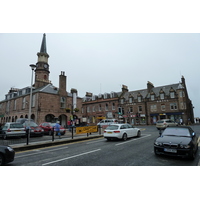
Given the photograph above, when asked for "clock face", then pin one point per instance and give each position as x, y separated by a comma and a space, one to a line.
45, 66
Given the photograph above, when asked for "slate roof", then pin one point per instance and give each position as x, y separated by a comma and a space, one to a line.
156, 90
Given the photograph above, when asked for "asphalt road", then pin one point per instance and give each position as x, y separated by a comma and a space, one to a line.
100, 152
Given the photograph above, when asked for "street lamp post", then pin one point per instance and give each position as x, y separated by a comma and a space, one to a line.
30, 103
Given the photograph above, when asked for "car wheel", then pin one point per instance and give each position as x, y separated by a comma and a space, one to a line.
124, 137
108, 139
1, 159
138, 133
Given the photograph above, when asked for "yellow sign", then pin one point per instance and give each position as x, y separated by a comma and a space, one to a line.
86, 129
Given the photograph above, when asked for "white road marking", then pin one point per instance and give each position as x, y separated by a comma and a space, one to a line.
71, 157
39, 152
99, 140
132, 140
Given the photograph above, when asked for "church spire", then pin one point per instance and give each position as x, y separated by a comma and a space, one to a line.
43, 48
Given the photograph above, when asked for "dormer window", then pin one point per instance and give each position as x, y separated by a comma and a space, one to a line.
130, 99
172, 95
152, 97
139, 98
162, 96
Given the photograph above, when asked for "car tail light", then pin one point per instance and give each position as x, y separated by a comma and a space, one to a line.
9, 130
116, 131
104, 131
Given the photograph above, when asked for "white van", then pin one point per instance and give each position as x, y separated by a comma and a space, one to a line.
106, 122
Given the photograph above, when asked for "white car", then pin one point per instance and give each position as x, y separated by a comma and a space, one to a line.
121, 131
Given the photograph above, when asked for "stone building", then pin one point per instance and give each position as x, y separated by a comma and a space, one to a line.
49, 103
144, 106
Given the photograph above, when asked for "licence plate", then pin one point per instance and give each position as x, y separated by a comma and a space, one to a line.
109, 132
171, 150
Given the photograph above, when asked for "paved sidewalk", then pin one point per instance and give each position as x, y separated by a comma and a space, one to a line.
67, 138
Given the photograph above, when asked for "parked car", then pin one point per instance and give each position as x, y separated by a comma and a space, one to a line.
177, 141
48, 128
163, 123
121, 131
7, 154
12, 129
35, 129
106, 122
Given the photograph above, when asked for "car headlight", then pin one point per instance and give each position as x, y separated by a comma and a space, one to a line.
158, 143
10, 149
186, 146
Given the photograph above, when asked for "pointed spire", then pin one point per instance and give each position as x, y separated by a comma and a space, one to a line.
43, 48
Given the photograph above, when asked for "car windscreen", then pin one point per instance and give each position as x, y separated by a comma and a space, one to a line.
181, 132
160, 122
32, 124
16, 126
112, 127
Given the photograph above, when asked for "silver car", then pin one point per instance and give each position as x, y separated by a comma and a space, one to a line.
11, 129
164, 123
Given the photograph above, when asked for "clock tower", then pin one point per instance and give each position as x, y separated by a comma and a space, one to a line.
42, 67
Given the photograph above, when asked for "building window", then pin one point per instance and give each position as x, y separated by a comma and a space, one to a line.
106, 107
122, 101
88, 109
172, 95
15, 105
163, 107
8, 106
93, 109
113, 106
152, 97
162, 96
173, 106
99, 107
24, 103
153, 108
130, 100
139, 99
62, 102
139, 108
131, 109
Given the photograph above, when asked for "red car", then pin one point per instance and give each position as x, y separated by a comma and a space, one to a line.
48, 127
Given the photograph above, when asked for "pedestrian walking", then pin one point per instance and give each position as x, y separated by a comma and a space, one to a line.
57, 129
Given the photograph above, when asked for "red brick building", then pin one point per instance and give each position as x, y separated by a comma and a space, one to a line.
49, 103
144, 106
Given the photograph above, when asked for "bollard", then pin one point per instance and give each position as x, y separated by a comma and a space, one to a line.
27, 136
52, 133
72, 128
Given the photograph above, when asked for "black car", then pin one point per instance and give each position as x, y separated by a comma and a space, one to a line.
7, 154
179, 141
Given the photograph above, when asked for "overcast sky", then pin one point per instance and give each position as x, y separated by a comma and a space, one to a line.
100, 63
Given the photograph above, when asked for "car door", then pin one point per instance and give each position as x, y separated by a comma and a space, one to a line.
133, 131
128, 130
